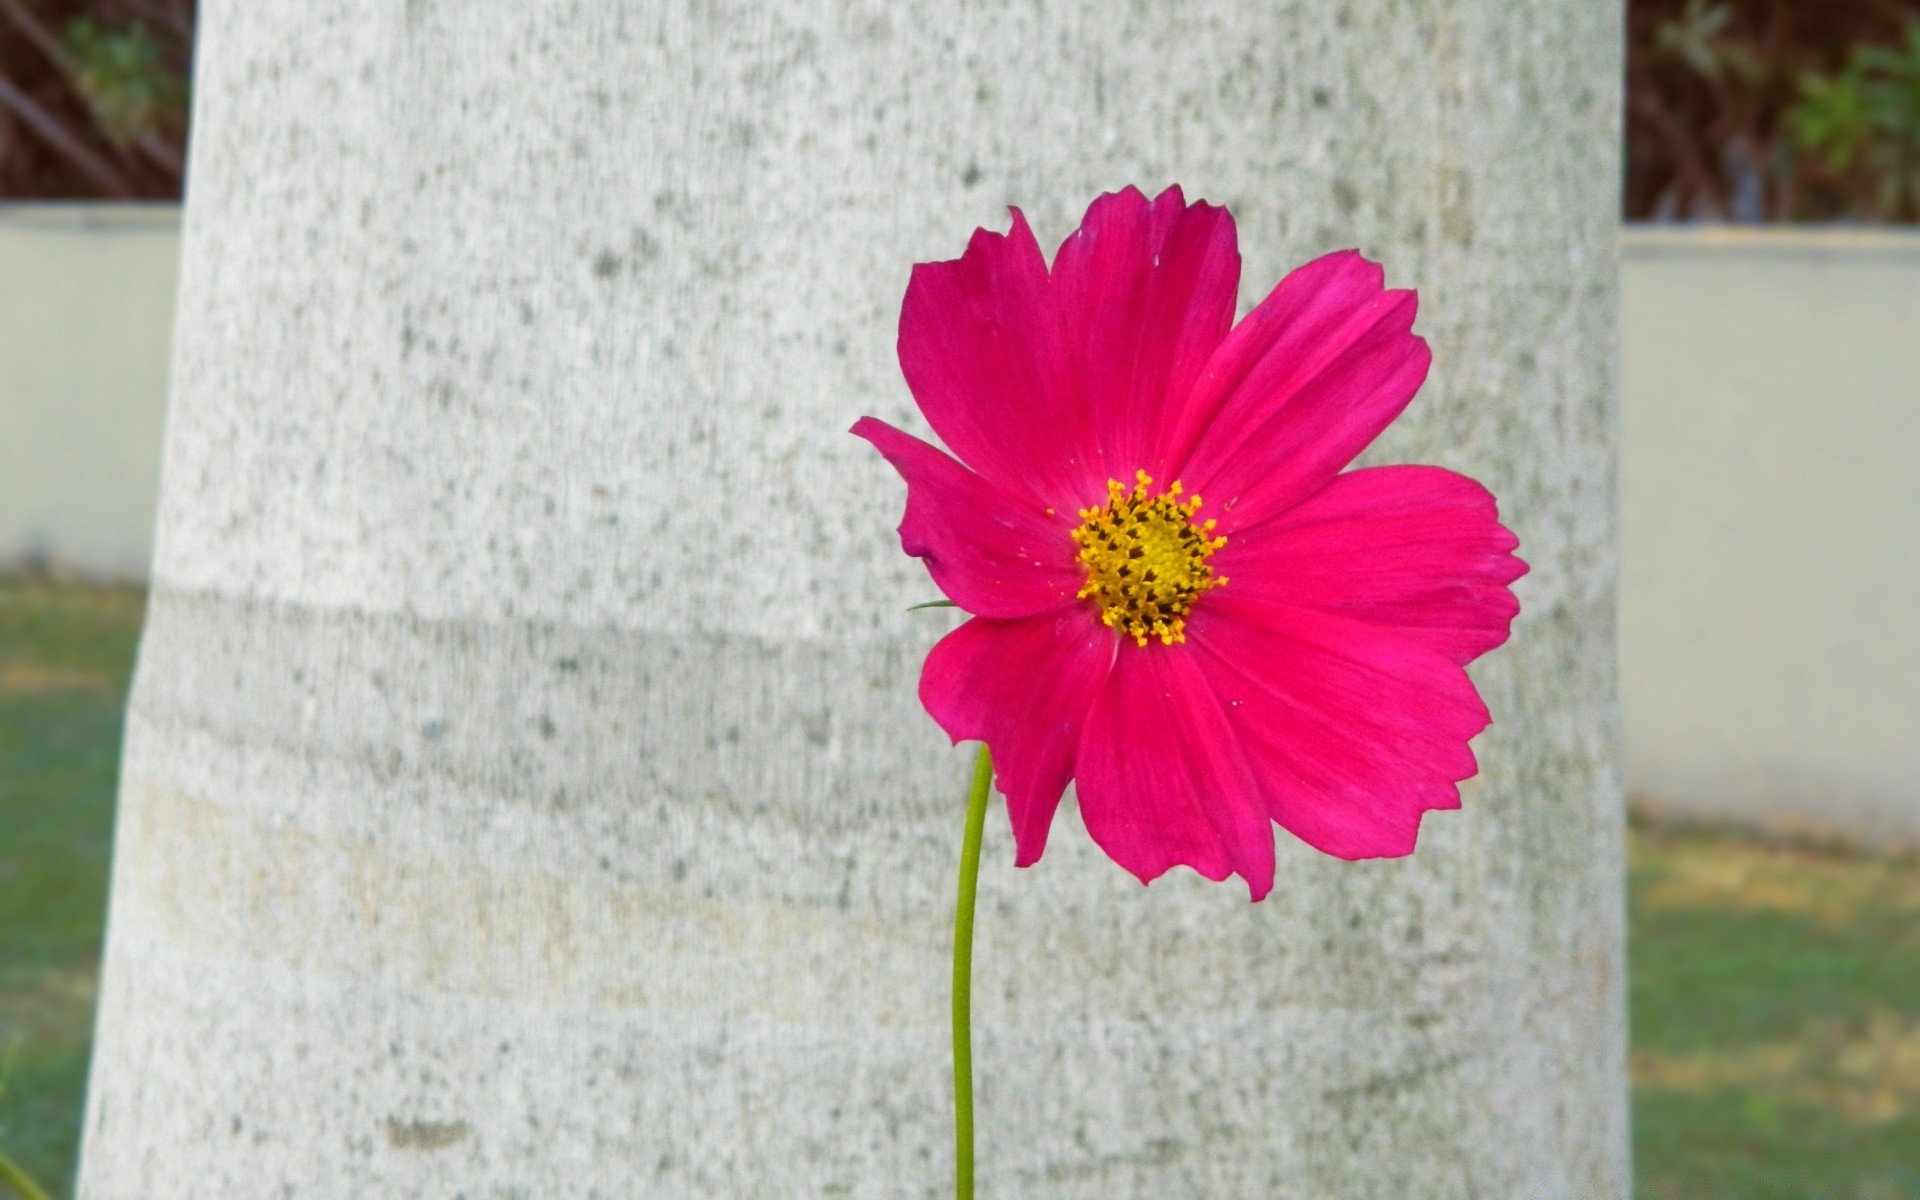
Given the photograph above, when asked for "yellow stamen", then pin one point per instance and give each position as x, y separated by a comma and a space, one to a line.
1146, 559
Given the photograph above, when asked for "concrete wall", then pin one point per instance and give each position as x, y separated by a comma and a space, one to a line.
1770, 488
1770, 532
86, 320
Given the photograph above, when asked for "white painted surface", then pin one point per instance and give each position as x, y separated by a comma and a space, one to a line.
525, 794
1770, 517
86, 322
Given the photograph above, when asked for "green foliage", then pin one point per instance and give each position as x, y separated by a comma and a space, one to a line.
1864, 123
1752, 110
1832, 118
124, 75
1894, 97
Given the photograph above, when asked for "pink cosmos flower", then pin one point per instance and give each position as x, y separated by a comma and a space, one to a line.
1179, 601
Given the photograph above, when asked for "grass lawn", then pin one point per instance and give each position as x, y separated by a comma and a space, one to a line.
1775, 989
65, 654
1775, 995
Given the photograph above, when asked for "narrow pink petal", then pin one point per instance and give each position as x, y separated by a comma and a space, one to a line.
1299, 388
992, 551
1354, 730
1146, 293
1162, 778
980, 345
1416, 549
1024, 688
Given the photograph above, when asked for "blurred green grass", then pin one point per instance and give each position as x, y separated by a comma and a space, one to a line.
66, 653
1775, 999
1775, 988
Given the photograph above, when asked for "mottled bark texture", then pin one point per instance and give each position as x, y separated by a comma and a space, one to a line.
525, 794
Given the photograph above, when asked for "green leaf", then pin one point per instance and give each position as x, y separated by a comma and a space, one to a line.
125, 79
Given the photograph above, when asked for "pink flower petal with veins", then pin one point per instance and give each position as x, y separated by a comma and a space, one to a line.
1419, 550
1355, 730
1024, 687
990, 550
1301, 386
1163, 779
982, 349
1146, 292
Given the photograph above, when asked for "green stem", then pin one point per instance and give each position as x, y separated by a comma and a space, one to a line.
17, 1179
963, 979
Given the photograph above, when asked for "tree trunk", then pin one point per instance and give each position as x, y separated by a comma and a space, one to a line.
525, 793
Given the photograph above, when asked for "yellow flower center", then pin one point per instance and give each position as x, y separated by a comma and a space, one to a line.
1146, 559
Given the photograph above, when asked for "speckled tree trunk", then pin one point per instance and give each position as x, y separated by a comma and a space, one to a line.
525, 794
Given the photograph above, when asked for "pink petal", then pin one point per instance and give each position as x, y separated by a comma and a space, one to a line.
1353, 730
993, 552
1024, 688
1146, 294
1162, 778
1299, 388
981, 348
1417, 549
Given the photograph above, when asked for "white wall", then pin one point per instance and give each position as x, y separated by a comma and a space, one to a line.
1770, 532
86, 320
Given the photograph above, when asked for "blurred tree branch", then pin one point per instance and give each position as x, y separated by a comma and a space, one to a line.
146, 141
66, 144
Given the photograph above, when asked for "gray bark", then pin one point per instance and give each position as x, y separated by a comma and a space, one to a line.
525, 793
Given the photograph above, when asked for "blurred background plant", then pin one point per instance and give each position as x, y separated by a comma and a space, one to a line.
1737, 110
93, 98
1773, 110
